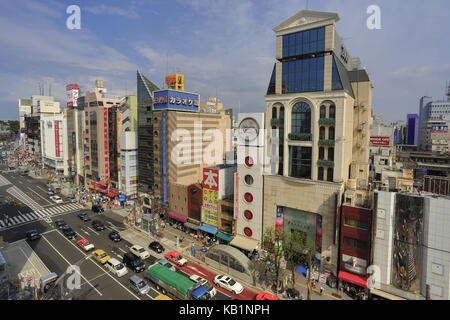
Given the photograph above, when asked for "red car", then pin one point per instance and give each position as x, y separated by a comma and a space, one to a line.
85, 245
266, 296
176, 258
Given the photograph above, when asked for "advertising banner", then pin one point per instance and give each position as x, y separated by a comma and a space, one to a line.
164, 153
210, 198
379, 141
236, 193
72, 91
57, 151
177, 100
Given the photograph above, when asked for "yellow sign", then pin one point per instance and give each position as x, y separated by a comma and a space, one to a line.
210, 197
210, 208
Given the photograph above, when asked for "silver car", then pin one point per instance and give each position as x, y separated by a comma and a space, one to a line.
139, 285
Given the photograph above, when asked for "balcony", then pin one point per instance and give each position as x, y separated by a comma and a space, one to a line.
300, 136
276, 122
324, 142
328, 121
325, 163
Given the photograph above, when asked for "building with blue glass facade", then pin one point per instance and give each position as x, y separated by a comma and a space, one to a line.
318, 107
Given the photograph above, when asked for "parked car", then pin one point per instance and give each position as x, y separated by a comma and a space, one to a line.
97, 208
69, 233
156, 246
115, 236
72, 198
50, 192
100, 256
98, 225
84, 216
133, 262
60, 223
116, 267
33, 235
85, 245
228, 283
167, 264
197, 279
140, 251
56, 199
176, 258
139, 285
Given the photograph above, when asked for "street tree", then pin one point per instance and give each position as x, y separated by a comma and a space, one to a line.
273, 244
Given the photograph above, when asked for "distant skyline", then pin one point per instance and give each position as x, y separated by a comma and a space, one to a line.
226, 47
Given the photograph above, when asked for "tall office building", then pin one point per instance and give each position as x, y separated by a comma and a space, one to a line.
413, 129
320, 100
145, 89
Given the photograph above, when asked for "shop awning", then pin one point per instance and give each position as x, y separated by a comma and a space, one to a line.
192, 226
208, 229
353, 278
302, 270
385, 295
91, 187
244, 243
178, 217
224, 236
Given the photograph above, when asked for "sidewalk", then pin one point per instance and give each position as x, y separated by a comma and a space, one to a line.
169, 241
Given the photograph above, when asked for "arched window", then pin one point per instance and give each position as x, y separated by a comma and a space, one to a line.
331, 154
274, 112
330, 174
322, 133
320, 173
301, 118
331, 133
332, 111
323, 112
321, 153
282, 113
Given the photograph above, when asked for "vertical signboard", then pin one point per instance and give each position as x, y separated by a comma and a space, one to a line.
210, 198
236, 195
105, 143
164, 153
57, 151
72, 95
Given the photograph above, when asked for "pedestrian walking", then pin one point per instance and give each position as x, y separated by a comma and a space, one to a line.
321, 290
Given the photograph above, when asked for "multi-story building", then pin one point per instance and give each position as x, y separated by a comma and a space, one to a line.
24, 110
413, 129
319, 98
129, 164
101, 165
411, 246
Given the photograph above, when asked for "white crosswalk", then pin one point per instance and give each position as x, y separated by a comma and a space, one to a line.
41, 214
24, 198
3, 181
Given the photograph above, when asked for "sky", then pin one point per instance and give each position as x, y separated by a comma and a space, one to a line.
222, 47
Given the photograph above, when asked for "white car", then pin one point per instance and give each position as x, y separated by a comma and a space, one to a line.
140, 251
56, 199
228, 283
197, 279
116, 267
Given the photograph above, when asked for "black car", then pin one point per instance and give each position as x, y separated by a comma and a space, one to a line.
98, 225
133, 262
115, 236
33, 235
97, 208
69, 233
60, 223
156, 246
84, 216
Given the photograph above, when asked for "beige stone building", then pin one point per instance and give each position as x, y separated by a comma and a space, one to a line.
318, 109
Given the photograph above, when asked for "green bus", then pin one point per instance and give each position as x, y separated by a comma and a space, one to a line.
24, 171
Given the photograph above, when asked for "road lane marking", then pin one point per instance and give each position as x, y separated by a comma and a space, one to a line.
103, 270
40, 196
122, 250
71, 264
93, 231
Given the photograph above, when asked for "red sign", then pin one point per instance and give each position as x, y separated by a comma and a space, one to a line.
105, 136
236, 199
380, 141
211, 179
57, 138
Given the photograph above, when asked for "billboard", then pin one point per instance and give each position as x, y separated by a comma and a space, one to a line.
210, 205
57, 151
72, 91
379, 141
105, 143
164, 153
176, 100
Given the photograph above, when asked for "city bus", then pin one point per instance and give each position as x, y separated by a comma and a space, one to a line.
24, 171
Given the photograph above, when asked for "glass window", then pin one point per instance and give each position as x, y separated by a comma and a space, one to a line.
330, 174
300, 162
274, 113
331, 133
282, 113
271, 89
320, 174
323, 111
332, 111
356, 243
321, 153
359, 224
336, 83
331, 154
301, 118
322, 133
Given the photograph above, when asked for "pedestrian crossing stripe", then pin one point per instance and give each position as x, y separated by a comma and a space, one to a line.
2, 223
21, 219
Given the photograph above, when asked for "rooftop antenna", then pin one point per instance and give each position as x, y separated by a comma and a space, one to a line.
307, 2
448, 91
50, 89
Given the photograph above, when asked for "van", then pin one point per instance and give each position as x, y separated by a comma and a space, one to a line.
139, 285
133, 262
116, 267
45, 282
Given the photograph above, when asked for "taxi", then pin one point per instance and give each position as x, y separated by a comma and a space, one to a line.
85, 245
100, 256
176, 258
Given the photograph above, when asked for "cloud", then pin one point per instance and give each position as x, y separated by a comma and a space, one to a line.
130, 13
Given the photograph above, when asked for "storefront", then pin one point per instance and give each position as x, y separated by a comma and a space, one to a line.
246, 244
177, 217
224, 238
191, 227
207, 230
